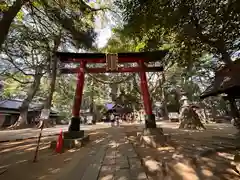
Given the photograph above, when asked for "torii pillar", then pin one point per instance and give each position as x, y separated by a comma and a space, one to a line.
75, 121
150, 121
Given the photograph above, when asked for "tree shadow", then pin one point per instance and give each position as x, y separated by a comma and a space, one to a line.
49, 163
120, 161
181, 158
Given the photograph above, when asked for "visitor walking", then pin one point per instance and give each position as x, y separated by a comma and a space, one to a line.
112, 119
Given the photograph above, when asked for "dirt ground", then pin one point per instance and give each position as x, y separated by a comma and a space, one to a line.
16, 158
181, 159
185, 157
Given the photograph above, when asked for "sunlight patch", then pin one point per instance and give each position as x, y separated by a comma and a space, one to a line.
151, 164
54, 171
185, 171
107, 177
21, 161
207, 172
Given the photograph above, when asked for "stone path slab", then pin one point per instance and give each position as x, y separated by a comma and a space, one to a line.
94, 168
121, 161
113, 159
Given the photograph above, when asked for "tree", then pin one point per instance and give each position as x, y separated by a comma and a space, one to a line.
69, 14
32, 55
52, 73
214, 24
26, 56
188, 31
75, 17
8, 13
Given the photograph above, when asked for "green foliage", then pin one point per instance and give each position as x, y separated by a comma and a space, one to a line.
29, 48
208, 25
64, 95
193, 32
10, 88
20, 15
3, 6
36, 4
74, 16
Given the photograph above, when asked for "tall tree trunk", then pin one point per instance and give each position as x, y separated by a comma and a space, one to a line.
92, 105
221, 48
203, 105
53, 74
52, 78
22, 120
7, 18
212, 108
177, 101
226, 58
204, 112
164, 98
114, 91
234, 111
92, 98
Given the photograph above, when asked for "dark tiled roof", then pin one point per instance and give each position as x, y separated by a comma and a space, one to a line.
226, 79
10, 104
15, 104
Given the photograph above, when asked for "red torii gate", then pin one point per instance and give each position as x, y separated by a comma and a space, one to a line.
111, 61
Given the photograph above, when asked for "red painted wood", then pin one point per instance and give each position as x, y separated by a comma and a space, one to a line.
100, 57
79, 90
144, 88
120, 70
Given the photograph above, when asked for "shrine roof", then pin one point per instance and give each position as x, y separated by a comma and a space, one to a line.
148, 55
227, 80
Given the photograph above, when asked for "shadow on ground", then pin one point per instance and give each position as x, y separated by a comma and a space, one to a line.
111, 155
16, 158
190, 155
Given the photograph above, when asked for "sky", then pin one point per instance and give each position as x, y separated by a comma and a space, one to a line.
103, 28
103, 22
103, 35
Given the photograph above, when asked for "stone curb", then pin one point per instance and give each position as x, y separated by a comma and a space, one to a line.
20, 139
139, 157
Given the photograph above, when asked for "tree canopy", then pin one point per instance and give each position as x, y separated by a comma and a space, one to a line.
199, 36
211, 26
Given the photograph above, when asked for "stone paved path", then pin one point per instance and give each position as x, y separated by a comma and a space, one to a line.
113, 159
121, 161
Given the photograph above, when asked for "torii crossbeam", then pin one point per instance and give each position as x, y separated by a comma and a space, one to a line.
111, 62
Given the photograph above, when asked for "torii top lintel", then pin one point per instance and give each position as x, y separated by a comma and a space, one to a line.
126, 57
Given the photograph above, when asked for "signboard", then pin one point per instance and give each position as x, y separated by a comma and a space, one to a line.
111, 62
45, 114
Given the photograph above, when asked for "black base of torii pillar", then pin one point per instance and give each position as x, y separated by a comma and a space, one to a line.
74, 124
150, 121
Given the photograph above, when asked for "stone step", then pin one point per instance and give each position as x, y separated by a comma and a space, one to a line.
71, 143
